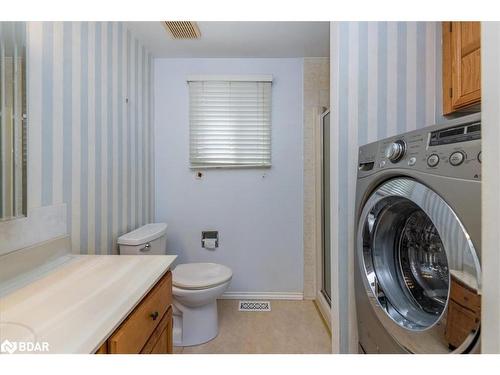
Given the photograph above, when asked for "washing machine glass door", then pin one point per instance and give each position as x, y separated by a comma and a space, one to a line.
418, 262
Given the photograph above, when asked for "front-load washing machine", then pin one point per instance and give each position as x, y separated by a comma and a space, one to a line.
418, 241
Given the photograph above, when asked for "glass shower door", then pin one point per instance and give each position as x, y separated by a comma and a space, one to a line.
326, 254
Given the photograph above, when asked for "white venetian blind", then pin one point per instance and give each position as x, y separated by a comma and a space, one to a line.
230, 121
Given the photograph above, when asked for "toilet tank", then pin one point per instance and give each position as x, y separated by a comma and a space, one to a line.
148, 239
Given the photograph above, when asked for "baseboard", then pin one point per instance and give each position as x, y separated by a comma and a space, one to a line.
263, 295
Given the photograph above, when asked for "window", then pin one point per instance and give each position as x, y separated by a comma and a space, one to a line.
230, 121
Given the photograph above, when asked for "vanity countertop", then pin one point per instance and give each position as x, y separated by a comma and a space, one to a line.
79, 303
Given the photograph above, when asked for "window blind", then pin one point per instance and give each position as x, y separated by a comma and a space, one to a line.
230, 123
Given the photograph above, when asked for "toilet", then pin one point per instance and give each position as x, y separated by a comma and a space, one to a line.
196, 286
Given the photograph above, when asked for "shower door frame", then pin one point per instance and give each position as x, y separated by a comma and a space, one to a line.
322, 298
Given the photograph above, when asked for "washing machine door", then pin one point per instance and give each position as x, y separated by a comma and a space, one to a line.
419, 268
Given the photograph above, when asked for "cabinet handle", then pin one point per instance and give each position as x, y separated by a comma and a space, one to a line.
154, 315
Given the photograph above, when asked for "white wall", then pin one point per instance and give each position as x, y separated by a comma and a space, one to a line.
490, 58
258, 212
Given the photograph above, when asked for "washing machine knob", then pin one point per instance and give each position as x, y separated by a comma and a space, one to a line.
395, 151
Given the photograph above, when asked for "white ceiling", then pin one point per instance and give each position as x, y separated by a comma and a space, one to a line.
239, 39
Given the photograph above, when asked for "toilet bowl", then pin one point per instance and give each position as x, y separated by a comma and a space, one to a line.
196, 287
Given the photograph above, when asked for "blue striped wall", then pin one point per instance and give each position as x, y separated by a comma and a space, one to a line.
90, 129
385, 80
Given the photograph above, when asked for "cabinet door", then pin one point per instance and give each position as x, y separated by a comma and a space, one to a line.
161, 346
459, 324
461, 65
103, 349
161, 341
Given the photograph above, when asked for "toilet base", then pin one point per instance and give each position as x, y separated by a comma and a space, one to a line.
194, 325
195, 314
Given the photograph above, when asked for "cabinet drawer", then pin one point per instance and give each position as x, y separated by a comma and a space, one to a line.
133, 334
465, 297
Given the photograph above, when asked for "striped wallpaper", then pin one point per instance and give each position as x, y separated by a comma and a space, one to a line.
385, 80
90, 129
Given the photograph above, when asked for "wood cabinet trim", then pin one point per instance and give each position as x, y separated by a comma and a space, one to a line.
446, 68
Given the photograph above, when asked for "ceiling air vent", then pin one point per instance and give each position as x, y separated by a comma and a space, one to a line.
183, 29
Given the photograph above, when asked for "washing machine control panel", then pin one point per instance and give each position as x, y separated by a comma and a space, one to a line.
453, 149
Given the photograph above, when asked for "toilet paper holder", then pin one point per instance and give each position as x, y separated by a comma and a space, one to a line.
209, 235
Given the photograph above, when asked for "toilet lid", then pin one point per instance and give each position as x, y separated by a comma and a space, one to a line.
200, 275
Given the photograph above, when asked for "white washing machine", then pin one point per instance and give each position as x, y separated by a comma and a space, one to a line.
418, 241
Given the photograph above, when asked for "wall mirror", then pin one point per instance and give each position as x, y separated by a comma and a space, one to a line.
13, 120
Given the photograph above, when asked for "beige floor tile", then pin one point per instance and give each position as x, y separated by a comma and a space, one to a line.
291, 327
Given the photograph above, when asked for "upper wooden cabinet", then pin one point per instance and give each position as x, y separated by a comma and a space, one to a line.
461, 66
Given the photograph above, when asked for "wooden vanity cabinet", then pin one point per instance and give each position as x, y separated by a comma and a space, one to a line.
148, 328
461, 66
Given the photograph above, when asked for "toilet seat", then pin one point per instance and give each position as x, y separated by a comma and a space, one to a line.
200, 275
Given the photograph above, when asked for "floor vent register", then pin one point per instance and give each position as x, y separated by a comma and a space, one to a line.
254, 306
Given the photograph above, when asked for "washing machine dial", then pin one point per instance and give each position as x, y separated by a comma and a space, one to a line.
395, 151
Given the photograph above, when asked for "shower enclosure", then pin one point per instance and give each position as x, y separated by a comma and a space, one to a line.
326, 285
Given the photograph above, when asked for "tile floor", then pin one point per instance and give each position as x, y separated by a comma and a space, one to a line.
291, 327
